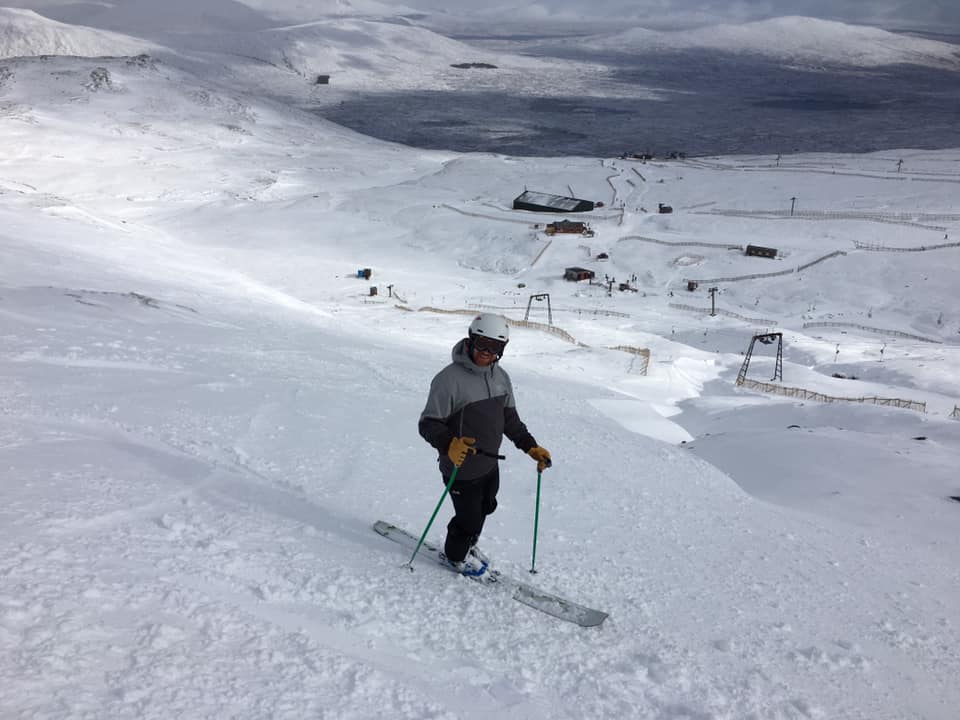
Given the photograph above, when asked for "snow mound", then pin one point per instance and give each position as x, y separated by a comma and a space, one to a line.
799, 38
354, 48
24, 33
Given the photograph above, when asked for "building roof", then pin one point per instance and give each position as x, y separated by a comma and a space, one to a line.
545, 199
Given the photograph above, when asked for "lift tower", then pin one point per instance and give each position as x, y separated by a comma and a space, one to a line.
538, 297
766, 339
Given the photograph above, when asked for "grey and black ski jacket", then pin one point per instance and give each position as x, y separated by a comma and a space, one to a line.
468, 400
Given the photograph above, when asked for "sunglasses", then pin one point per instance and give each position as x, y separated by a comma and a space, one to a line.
488, 345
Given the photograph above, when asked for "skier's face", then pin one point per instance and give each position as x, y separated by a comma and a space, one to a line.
484, 350
483, 358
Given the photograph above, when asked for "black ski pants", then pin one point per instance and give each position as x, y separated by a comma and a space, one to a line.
472, 502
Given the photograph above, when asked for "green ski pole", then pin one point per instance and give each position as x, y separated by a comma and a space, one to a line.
423, 537
536, 523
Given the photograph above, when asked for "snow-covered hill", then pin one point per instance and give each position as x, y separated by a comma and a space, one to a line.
797, 39
24, 33
204, 409
360, 55
363, 54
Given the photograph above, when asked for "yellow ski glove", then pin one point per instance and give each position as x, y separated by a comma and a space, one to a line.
542, 456
459, 448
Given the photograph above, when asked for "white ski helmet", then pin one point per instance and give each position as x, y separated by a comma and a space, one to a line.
490, 326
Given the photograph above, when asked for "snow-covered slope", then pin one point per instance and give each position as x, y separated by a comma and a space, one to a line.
204, 409
800, 39
359, 53
24, 33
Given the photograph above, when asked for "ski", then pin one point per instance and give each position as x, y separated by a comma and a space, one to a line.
545, 602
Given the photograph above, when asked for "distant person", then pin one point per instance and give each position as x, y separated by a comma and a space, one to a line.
469, 410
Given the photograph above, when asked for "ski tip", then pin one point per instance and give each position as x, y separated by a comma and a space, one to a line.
594, 619
559, 607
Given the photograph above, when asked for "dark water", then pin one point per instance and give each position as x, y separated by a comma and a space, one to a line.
715, 103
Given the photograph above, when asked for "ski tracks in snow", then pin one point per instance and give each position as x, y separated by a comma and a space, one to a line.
253, 613
204, 558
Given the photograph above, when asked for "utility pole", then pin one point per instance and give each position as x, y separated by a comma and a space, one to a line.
713, 302
793, 202
778, 159
390, 290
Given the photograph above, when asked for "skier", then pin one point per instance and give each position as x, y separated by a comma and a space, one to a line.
469, 410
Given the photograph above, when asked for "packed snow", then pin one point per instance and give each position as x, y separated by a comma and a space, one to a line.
205, 409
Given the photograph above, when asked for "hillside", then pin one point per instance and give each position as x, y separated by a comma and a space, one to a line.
24, 32
205, 409
791, 39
